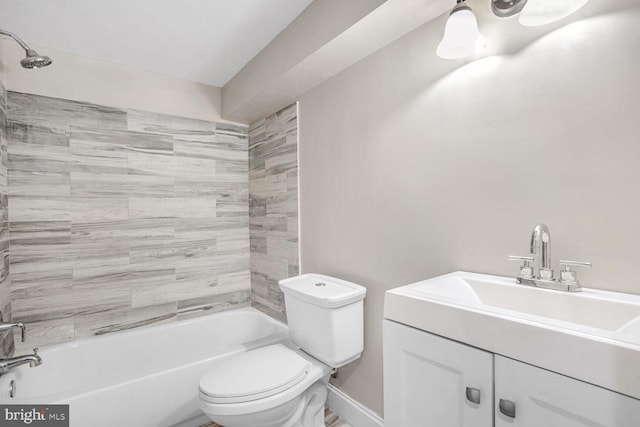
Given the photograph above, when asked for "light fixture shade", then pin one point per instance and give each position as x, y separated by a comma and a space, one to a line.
542, 12
461, 35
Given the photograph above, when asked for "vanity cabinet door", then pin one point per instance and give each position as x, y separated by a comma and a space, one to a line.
543, 398
430, 381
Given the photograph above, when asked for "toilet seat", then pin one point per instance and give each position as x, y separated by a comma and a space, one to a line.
253, 375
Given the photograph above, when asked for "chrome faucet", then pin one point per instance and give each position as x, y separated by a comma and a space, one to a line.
9, 326
541, 259
13, 362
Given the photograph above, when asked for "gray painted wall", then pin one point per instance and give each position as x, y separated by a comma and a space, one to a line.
122, 218
273, 211
412, 167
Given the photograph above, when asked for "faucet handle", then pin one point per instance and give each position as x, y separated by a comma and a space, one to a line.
20, 325
568, 276
568, 264
526, 269
23, 331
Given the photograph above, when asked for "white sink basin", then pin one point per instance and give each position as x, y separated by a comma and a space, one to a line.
590, 335
598, 309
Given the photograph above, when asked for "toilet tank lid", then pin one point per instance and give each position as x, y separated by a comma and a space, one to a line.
323, 291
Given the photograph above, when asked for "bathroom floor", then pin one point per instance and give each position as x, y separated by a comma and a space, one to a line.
330, 419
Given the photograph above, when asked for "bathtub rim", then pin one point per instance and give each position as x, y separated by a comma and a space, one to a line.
280, 335
151, 327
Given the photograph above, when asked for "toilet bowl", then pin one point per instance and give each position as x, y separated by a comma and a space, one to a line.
274, 386
285, 384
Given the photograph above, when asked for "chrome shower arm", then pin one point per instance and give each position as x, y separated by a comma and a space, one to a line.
16, 38
33, 60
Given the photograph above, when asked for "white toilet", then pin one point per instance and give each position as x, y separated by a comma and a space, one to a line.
282, 385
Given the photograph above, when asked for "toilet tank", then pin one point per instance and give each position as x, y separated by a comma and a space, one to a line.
325, 317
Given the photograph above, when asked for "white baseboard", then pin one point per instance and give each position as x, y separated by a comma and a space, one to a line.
352, 412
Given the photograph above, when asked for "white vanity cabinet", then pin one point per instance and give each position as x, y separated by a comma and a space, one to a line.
427, 379
431, 381
544, 398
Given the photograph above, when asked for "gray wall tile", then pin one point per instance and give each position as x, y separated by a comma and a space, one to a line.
6, 338
60, 114
195, 307
52, 331
122, 320
273, 208
120, 219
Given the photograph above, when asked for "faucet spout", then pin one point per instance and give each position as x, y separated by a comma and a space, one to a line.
541, 249
13, 362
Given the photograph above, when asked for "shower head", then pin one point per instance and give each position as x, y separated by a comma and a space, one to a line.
33, 60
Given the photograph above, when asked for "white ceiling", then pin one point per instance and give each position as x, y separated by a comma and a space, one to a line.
206, 41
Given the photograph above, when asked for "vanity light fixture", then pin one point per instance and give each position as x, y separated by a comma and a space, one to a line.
542, 12
507, 8
462, 37
534, 13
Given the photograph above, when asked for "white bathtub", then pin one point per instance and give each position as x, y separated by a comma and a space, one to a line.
147, 377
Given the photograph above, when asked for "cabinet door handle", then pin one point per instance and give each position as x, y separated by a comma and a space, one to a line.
473, 395
508, 408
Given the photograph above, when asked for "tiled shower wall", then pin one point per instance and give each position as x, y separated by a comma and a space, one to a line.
273, 196
6, 338
121, 218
